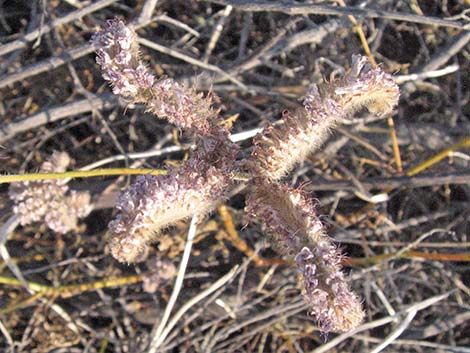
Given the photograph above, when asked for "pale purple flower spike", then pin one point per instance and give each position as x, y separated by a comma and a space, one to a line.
279, 148
330, 300
290, 221
156, 202
49, 200
118, 55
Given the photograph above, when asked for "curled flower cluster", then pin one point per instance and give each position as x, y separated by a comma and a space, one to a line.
119, 61
119, 58
279, 148
290, 220
327, 293
156, 202
288, 217
184, 108
49, 200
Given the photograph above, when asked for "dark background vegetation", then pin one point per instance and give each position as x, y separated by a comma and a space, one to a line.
407, 257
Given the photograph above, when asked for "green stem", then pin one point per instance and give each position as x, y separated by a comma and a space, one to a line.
36, 287
78, 174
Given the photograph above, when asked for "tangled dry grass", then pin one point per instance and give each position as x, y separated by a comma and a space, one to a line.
394, 190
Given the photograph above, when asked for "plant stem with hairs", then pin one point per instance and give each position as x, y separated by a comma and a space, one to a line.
287, 216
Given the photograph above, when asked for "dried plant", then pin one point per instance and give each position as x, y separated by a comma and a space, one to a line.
287, 215
50, 200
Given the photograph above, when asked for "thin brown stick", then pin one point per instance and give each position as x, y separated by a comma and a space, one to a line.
146, 12
104, 101
46, 65
276, 46
394, 182
396, 148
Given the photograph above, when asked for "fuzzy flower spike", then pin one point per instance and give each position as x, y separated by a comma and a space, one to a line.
279, 148
155, 202
119, 58
50, 200
290, 221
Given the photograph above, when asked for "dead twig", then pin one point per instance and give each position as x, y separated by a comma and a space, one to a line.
303, 9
